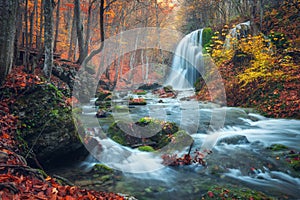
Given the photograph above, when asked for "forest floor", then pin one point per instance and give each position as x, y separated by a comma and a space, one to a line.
17, 179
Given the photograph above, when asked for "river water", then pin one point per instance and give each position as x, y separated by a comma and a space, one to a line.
241, 164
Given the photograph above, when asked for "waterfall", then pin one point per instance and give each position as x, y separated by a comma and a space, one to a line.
187, 61
240, 30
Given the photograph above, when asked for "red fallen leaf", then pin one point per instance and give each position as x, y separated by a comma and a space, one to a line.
70, 198
5, 136
210, 194
22, 84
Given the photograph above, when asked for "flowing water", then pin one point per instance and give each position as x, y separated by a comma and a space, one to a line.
237, 137
241, 164
187, 62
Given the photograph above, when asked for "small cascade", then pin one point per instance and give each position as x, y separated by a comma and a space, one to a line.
240, 30
187, 62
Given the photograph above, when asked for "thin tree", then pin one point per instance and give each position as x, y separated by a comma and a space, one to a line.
48, 34
8, 10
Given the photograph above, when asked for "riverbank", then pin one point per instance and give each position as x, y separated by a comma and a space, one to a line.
31, 109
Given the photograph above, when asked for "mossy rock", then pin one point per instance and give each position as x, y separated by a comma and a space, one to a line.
146, 148
137, 101
168, 88
140, 92
47, 123
220, 192
277, 147
295, 164
130, 134
103, 104
103, 95
120, 108
103, 169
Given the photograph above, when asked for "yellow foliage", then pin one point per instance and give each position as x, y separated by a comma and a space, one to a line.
262, 66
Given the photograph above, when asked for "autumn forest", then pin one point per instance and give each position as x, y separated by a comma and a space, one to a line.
149, 99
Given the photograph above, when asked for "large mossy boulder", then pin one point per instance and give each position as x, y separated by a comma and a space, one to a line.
146, 132
103, 99
46, 124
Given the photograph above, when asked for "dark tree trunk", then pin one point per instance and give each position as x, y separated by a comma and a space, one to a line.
253, 16
39, 41
48, 34
95, 52
57, 24
26, 57
72, 38
79, 29
8, 10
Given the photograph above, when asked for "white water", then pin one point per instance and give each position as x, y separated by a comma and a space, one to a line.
187, 62
237, 159
236, 32
266, 179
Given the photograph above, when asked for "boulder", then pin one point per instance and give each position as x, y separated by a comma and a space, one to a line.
46, 123
101, 113
149, 86
166, 92
233, 139
133, 134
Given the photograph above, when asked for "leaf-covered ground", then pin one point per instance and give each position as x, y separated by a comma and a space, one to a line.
17, 179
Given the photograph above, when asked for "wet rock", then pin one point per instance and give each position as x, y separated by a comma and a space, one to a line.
233, 139
185, 99
101, 113
103, 95
47, 124
127, 197
149, 86
277, 147
166, 92
139, 92
137, 101
84, 87
146, 131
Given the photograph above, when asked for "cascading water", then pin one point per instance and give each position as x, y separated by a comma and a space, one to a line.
240, 30
187, 62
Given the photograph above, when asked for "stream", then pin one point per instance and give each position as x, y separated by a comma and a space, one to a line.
243, 162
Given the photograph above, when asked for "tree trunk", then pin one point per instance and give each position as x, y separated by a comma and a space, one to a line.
18, 35
72, 38
48, 34
39, 41
26, 57
79, 29
95, 52
253, 15
57, 24
31, 19
8, 10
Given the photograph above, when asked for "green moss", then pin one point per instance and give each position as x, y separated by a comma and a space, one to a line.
43, 173
277, 147
119, 140
206, 36
101, 168
102, 95
120, 108
220, 192
163, 130
140, 92
145, 120
168, 88
77, 110
146, 148
295, 164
